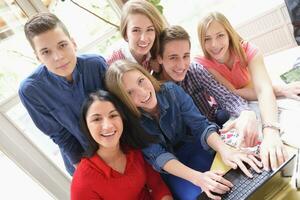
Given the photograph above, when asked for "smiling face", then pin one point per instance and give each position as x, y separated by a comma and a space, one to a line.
217, 42
56, 51
140, 90
140, 35
105, 124
175, 60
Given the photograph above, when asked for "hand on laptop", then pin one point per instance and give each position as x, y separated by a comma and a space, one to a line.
272, 151
236, 158
212, 183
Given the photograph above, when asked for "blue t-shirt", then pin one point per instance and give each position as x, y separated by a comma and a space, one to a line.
54, 104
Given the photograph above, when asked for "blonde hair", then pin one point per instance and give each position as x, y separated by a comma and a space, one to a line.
114, 82
235, 39
145, 8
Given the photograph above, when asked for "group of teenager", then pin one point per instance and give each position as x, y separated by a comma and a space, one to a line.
145, 123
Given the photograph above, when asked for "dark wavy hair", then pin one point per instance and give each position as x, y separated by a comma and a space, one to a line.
133, 136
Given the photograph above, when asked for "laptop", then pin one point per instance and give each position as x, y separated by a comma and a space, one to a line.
261, 186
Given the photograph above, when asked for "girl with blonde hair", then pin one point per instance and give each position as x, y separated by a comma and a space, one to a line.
182, 153
239, 66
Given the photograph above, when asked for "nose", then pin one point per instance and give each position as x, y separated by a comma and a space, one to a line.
142, 92
143, 36
57, 55
213, 42
106, 124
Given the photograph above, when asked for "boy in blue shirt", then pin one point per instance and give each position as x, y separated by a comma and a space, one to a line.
54, 92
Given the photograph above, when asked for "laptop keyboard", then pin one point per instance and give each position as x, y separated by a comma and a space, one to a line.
247, 185
243, 187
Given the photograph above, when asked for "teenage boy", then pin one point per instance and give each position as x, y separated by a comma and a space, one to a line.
174, 58
54, 92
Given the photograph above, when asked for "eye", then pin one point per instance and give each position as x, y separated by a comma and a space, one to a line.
221, 35
173, 57
45, 52
186, 56
207, 39
135, 30
114, 115
63, 45
141, 80
150, 29
96, 119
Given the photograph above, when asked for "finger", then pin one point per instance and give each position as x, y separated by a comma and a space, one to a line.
255, 160
229, 126
264, 155
231, 164
280, 156
211, 196
244, 168
219, 172
225, 182
296, 97
273, 159
252, 164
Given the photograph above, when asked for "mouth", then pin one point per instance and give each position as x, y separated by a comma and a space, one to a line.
64, 66
147, 99
216, 52
179, 71
143, 45
108, 134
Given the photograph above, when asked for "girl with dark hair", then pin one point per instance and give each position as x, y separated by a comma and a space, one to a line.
114, 168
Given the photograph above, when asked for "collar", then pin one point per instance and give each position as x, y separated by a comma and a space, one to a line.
126, 51
61, 79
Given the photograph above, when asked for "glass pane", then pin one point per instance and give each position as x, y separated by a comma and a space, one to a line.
22, 120
17, 59
15, 184
90, 28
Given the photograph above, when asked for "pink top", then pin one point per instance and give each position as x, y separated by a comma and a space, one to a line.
124, 53
238, 76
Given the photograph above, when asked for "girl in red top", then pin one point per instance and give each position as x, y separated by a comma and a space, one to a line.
111, 169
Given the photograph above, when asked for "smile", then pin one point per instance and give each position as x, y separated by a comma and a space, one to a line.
108, 134
147, 99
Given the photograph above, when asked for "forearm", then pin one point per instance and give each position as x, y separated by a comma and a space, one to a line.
176, 168
247, 93
216, 143
268, 109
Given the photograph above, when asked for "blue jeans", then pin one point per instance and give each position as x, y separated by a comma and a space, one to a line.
195, 157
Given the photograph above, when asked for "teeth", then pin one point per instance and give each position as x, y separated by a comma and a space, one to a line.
108, 134
143, 45
147, 99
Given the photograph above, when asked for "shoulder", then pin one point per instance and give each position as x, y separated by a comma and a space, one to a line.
91, 59
86, 173
249, 48
116, 55
91, 63
203, 61
169, 88
32, 82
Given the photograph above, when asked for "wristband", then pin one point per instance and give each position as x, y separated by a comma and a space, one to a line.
272, 126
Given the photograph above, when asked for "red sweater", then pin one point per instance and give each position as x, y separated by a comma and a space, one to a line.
94, 179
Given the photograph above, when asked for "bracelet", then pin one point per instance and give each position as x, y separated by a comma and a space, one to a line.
272, 126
